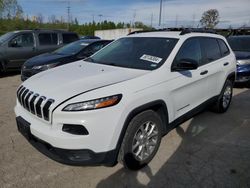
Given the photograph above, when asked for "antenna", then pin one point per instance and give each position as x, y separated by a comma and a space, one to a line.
151, 20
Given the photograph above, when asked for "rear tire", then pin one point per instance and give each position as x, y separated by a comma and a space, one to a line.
141, 141
224, 100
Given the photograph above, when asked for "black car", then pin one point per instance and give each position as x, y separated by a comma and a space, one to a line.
240, 44
18, 46
72, 52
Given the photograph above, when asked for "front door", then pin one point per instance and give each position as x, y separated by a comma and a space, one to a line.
20, 48
188, 88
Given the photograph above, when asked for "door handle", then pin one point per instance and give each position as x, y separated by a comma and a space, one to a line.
204, 72
225, 64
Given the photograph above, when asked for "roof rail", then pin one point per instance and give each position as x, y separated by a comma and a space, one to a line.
191, 30
182, 30
147, 31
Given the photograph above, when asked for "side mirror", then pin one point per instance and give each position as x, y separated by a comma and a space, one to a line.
13, 44
185, 64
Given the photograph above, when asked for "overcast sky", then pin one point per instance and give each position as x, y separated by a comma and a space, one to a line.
175, 12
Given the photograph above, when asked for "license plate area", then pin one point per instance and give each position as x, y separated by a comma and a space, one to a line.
23, 127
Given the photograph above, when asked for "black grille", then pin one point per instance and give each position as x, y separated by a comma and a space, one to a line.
36, 104
23, 96
26, 101
20, 94
38, 107
46, 109
32, 106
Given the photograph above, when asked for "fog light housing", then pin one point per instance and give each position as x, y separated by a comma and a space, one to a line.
75, 129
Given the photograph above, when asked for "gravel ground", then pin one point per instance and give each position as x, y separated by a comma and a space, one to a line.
210, 150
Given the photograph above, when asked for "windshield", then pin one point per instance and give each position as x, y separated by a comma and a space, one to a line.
147, 53
72, 48
240, 43
5, 37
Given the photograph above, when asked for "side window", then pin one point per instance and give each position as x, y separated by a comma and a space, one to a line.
190, 50
223, 48
68, 38
210, 49
48, 39
23, 40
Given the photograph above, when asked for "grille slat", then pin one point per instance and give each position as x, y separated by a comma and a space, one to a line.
19, 89
26, 101
20, 94
23, 97
34, 103
38, 107
46, 109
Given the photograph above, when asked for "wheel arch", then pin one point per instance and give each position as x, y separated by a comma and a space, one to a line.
159, 106
231, 77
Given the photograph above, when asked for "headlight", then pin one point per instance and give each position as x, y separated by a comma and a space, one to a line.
45, 67
243, 62
94, 104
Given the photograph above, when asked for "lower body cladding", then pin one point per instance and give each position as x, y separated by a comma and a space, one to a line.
95, 148
243, 74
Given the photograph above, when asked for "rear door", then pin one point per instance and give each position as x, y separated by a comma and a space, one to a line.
20, 48
47, 42
212, 65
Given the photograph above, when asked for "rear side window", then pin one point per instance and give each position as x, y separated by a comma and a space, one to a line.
210, 49
223, 47
69, 37
190, 50
48, 39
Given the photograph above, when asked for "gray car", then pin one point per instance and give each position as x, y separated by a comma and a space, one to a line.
18, 46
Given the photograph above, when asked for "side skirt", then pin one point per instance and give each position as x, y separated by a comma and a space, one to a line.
190, 114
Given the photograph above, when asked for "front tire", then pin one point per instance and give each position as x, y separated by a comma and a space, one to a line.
141, 141
224, 100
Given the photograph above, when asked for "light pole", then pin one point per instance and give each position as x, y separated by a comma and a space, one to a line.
160, 13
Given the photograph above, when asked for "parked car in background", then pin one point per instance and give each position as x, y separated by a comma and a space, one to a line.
72, 52
90, 37
18, 46
240, 44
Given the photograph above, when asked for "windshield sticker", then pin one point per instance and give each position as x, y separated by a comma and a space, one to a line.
150, 58
84, 44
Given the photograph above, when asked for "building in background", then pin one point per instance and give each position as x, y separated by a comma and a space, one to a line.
113, 34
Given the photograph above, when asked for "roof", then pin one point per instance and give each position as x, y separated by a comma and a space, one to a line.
174, 34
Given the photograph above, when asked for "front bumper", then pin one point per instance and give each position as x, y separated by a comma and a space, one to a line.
66, 156
243, 73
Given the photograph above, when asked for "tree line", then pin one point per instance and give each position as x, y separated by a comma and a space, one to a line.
13, 18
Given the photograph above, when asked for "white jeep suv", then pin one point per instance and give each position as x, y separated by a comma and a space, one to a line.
117, 104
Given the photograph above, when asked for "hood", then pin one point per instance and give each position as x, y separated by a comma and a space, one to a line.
72, 79
44, 59
242, 55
